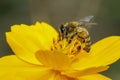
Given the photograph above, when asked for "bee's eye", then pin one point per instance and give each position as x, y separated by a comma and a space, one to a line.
62, 29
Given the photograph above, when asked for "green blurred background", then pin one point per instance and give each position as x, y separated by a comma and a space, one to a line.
55, 12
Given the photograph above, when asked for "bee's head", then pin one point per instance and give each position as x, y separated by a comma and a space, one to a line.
68, 28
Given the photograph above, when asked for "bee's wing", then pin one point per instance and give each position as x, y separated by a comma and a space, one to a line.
86, 19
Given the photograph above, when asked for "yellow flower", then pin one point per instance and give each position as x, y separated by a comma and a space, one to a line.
39, 55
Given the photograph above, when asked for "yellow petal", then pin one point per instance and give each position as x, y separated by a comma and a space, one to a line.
47, 30
26, 40
102, 53
11, 68
94, 77
24, 49
77, 73
56, 60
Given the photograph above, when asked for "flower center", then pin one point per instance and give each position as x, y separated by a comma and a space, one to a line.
69, 47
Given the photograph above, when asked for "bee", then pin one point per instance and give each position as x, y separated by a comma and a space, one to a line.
77, 29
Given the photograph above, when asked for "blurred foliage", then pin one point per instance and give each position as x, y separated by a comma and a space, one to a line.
106, 13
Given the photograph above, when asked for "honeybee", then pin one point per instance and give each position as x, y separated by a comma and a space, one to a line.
77, 29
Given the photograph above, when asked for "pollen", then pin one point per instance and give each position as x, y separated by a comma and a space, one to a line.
70, 47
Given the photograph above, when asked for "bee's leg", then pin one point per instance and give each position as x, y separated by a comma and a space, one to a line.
59, 36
